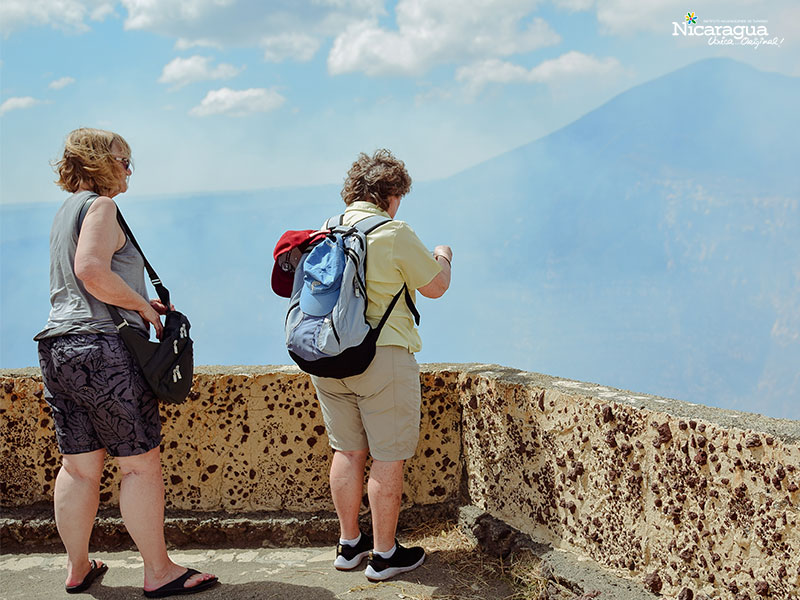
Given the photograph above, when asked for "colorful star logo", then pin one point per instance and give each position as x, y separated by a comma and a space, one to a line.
691, 18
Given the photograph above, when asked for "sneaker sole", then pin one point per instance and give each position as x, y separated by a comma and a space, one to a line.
374, 576
342, 564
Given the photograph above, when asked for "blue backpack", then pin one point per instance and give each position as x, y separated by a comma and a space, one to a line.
327, 333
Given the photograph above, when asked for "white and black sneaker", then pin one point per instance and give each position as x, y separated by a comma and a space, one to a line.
349, 557
402, 561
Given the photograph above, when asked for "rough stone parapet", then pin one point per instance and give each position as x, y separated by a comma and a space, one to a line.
682, 498
677, 496
248, 439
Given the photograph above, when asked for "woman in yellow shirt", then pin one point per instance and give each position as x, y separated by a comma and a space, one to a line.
378, 411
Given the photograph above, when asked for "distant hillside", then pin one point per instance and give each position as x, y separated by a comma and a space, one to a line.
652, 245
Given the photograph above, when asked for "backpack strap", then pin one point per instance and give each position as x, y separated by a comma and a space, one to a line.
409, 303
334, 222
366, 226
369, 224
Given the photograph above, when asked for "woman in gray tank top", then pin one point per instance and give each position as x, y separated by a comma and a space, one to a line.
100, 401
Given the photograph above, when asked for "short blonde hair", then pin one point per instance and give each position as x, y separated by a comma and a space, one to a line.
375, 179
88, 161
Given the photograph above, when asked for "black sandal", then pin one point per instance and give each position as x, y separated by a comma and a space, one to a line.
93, 574
176, 586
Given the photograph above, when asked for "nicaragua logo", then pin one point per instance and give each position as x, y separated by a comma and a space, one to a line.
744, 32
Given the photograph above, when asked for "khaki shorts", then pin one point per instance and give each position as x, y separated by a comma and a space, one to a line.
378, 409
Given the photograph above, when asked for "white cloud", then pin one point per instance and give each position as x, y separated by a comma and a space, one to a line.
573, 64
18, 103
103, 10
570, 65
427, 32
183, 71
627, 16
60, 14
294, 46
286, 30
431, 32
184, 44
61, 83
238, 103
574, 5
492, 70
152, 14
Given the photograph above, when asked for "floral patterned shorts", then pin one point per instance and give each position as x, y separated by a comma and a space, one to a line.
98, 396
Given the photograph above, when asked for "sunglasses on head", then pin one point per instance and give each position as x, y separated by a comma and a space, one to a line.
126, 162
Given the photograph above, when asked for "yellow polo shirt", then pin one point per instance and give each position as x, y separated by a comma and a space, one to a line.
395, 255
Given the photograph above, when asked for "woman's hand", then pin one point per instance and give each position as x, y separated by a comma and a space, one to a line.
150, 315
159, 307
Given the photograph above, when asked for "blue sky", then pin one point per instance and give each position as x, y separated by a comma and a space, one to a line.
218, 95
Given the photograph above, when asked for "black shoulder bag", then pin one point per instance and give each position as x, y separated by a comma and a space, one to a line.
168, 365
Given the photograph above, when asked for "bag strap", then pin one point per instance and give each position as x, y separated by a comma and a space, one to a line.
163, 292
82, 213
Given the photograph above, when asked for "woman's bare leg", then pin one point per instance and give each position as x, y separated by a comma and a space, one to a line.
141, 501
76, 498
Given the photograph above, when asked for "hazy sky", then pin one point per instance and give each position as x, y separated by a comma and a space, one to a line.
248, 94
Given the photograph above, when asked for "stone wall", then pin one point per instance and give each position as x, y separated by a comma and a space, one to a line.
667, 493
248, 439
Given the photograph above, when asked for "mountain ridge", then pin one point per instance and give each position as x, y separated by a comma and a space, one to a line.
664, 245
681, 120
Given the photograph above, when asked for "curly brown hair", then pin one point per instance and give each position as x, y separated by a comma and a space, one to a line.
88, 161
375, 179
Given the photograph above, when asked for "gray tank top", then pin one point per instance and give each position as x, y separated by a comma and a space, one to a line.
73, 309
